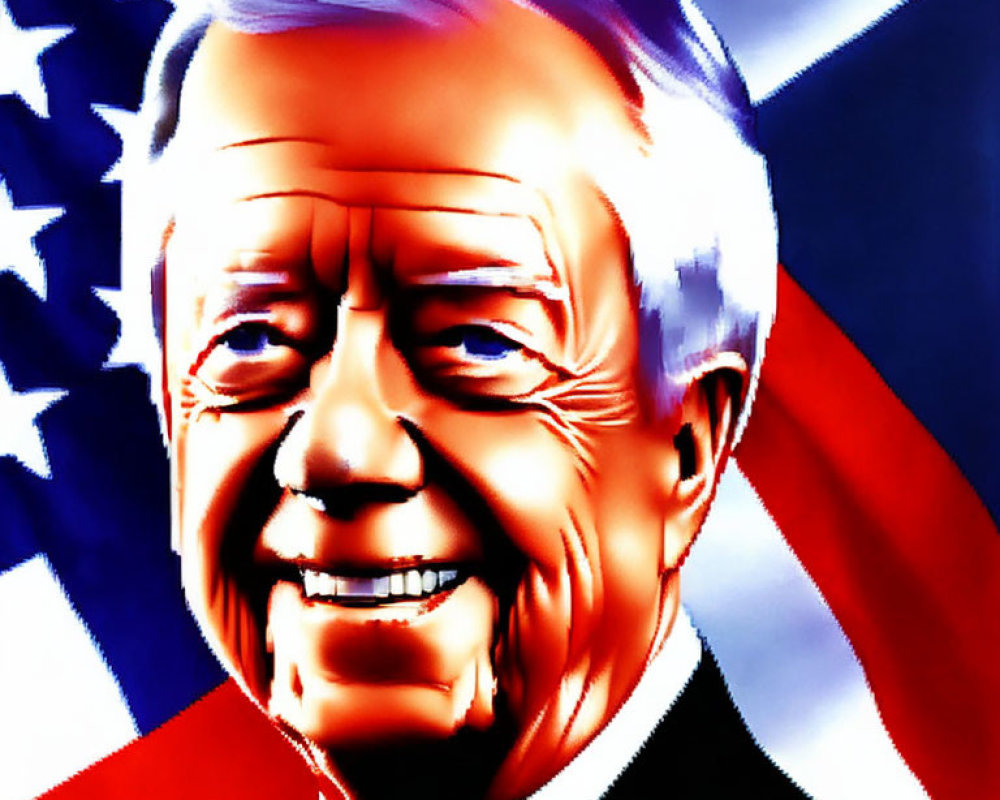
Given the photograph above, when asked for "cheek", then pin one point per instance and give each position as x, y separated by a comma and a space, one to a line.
591, 539
631, 503
530, 478
220, 464
534, 483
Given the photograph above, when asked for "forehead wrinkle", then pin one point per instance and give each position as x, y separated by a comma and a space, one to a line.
274, 167
261, 140
390, 205
555, 288
400, 205
280, 157
326, 145
278, 165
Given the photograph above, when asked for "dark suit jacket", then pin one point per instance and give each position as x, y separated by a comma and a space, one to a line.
702, 749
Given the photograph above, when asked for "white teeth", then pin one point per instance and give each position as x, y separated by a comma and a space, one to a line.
318, 583
356, 588
394, 585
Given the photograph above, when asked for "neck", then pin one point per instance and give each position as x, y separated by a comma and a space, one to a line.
587, 698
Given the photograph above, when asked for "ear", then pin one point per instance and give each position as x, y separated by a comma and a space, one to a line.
702, 429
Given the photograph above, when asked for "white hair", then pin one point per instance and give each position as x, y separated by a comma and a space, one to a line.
698, 213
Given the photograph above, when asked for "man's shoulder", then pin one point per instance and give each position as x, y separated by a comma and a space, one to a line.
702, 749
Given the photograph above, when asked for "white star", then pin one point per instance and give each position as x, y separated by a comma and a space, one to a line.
121, 122
18, 229
20, 53
20, 435
132, 303
135, 344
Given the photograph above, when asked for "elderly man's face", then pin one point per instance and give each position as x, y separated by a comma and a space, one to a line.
418, 484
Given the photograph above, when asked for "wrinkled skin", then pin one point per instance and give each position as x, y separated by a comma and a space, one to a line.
401, 333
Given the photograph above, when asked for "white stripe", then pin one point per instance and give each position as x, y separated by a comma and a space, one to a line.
791, 670
773, 41
60, 705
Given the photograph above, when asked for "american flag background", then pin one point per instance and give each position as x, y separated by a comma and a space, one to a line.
848, 579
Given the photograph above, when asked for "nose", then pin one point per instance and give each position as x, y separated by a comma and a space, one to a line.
350, 446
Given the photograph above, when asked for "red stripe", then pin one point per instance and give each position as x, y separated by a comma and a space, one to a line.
896, 539
219, 748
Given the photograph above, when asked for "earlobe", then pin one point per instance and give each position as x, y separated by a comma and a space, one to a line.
704, 425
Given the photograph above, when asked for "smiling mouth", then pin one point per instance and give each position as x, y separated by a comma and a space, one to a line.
391, 586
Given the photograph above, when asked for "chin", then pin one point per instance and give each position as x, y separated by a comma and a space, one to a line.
363, 675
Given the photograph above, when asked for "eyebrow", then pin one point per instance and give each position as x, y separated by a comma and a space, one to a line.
245, 277
494, 277
244, 290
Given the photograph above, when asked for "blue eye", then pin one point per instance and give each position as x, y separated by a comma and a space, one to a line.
478, 341
248, 339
